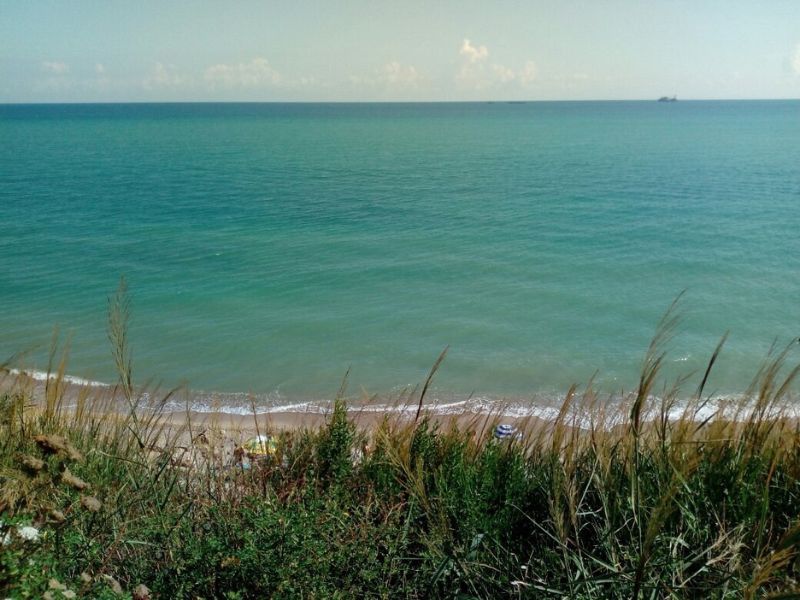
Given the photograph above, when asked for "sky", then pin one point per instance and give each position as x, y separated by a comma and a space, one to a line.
397, 50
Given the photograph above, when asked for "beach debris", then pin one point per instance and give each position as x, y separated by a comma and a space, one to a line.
91, 503
141, 592
26, 533
73, 481
56, 444
260, 446
505, 431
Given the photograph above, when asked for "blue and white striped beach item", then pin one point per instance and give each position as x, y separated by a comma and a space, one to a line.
504, 431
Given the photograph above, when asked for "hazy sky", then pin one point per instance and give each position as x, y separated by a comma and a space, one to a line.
145, 50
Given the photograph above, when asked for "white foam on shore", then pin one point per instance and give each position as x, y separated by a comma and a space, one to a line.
609, 415
545, 406
237, 405
44, 376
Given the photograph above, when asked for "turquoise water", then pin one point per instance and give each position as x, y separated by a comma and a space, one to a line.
270, 247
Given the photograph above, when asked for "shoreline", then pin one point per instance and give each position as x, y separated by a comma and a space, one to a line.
242, 410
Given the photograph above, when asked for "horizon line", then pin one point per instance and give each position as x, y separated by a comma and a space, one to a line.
493, 101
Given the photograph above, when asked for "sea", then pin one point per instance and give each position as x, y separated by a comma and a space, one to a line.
270, 249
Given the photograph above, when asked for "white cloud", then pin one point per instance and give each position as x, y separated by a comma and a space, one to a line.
528, 73
476, 74
473, 53
55, 67
503, 74
257, 72
473, 73
796, 60
163, 76
395, 73
56, 78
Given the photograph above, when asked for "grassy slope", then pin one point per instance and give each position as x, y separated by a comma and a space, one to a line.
684, 511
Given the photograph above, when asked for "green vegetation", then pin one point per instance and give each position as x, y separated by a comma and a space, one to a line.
633, 505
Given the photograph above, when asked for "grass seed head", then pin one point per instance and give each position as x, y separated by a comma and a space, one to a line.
73, 481
57, 516
113, 584
56, 444
31, 463
91, 503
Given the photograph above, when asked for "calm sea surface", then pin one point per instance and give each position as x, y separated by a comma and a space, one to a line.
269, 247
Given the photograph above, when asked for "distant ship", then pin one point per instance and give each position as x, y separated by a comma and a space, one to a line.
668, 99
